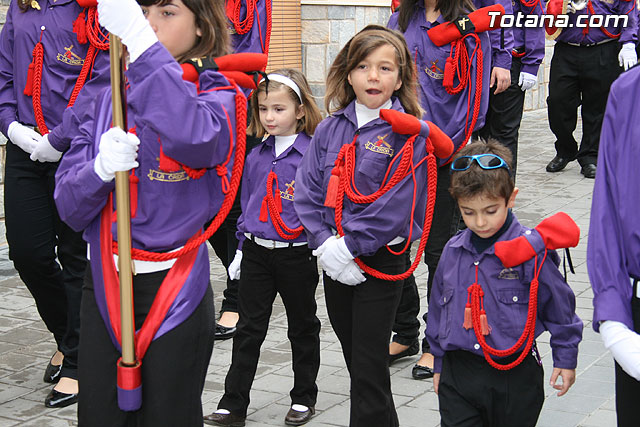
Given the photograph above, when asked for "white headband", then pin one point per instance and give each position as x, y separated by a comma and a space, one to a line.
285, 81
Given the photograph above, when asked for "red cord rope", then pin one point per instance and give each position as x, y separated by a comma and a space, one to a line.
282, 229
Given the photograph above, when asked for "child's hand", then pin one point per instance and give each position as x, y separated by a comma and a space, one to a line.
568, 378
436, 382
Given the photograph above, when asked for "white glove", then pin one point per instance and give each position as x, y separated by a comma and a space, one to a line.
234, 267
117, 152
624, 344
627, 56
124, 18
335, 258
323, 247
23, 136
527, 81
351, 274
44, 151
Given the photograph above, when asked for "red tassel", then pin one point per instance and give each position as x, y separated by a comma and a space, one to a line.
133, 193
331, 200
167, 164
264, 214
468, 322
447, 80
278, 200
28, 87
80, 28
485, 329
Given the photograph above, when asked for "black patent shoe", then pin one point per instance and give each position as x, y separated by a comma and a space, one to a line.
409, 351
224, 332
589, 171
557, 164
224, 420
52, 373
420, 372
57, 399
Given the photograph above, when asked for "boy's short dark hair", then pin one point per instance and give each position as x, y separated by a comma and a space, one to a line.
475, 181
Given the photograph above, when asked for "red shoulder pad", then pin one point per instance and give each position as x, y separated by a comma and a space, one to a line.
88, 3
448, 32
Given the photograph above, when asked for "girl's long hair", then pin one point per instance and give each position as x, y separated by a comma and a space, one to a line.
312, 116
339, 91
449, 9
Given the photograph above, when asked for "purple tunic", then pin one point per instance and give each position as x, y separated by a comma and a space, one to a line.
63, 59
613, 252
531, 38
367, 227
448, 112
502, 42
573, 34
506, 299
259, 163
256, 38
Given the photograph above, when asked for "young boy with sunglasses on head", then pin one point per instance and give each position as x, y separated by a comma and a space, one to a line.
478, 305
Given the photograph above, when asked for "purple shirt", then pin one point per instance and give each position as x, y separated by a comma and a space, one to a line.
256, 38
367, 227
502, 42
448, 112
573, 34
63, 59
529, 38
193, 130
506, 300
613, 252
260, 161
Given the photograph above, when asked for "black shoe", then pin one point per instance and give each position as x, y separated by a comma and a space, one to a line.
57, 399
224, 420
589, 171
557, 164
52, 373
420, 372
410, 351
297, 418
224, 333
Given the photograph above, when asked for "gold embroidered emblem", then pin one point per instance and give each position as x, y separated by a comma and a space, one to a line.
434, 71
167, 176
288, 193
380, 146
70, 58
463, 22
35, 5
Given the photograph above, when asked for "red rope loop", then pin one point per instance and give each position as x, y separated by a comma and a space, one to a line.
244, 26
236, 175
282, 229
528, 334
346, 159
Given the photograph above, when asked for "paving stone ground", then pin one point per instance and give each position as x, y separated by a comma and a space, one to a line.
25, 344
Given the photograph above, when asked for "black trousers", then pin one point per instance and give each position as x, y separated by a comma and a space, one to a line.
580, 76
627, 387
472, 393
444, 225
173, 369
362, 318
38, 240
292, 273
504, 115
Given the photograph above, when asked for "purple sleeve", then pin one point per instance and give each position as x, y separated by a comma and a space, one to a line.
245, 189
630, 32
8, 103
534, 42
393, 22
79, 193
309, 199
502, 38
60, 137
557, 312
607, 258
435, 312
193, 128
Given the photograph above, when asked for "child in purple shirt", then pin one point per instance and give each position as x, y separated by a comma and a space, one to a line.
507, 391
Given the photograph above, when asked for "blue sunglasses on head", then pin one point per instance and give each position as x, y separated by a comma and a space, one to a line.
485, 161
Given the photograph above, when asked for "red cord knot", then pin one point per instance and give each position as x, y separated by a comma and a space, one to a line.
221, 170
